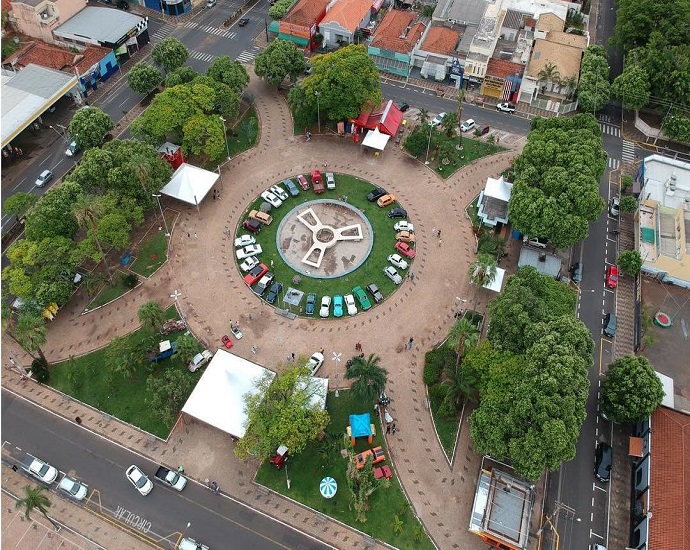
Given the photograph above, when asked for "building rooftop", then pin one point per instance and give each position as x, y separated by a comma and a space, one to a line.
500, 68
669, 486
465, 12
102, 24
514, 19
348, 13
566, 58
55, 57
305, 12
502, 508
441, 40
543, 262
397, 33
550, 22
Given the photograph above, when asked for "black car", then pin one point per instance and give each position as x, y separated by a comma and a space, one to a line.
376, 194
375, 292
610, 325
252, 226
274, 292
403, 107
311, 303
242, 22
397, 213
603, 459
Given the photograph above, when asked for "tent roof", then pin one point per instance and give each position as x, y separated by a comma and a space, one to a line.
218, 398
386, 118
190, 184
360, 425
375, 140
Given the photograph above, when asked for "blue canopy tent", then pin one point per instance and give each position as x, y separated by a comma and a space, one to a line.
361, 426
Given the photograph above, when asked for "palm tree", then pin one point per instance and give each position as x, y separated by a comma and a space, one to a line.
35, 500
88, 211
151, 316
450, 124
482, 272
30, 333
570, 84
370, 377
461, 98
463, 334
549, 73
458, 387
423, 116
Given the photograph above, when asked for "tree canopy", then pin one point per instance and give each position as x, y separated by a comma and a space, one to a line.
632, 87
631, 390
594, 89
279, 60
143, 78
89, 127
170, 54
280, 411
556, 189
344, 82
630, 262
229, 72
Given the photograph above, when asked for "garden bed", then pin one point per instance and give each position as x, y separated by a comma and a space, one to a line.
324, 458
109, 292
152, 251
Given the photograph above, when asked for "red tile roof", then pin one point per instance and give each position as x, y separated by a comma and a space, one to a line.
500, 68
306, 12
6, 6
669, 487
389, 34
54, 57
441, 40
348, 13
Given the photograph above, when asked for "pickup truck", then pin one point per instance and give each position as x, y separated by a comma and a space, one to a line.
171, 478
39, 469
166, 349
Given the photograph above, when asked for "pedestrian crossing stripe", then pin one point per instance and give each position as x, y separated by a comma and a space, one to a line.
628, 150
201, 56
610, 130
164, 31
191, 25
246, 56
614, 163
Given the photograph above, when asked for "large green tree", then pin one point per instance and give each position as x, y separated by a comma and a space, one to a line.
19, 204
89, 127
88, 211
594, 88
143, 78
556, 190
632, 87
631, 390
167, 393
369, 377
151, 316
279, 60
417, 141
51, 216
528, 298
170, 54
281, 410
344, 81
229, 72
181, 75
31, 332
630, 262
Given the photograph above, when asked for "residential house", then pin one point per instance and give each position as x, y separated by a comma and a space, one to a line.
92, 65
502, 80
492, 206
123, 32
300, 23
484, 42
662, 221
394, 41
661, 482
437, 51
38, 18
342, 19
553, 69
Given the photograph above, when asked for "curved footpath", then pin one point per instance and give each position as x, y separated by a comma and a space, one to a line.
202, 269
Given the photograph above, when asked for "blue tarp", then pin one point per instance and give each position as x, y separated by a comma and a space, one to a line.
360, 425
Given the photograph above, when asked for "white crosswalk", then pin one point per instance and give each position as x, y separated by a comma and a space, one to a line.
218, 31
201, 56
610, 130
628, 151
247, 56
163, 32
614, 163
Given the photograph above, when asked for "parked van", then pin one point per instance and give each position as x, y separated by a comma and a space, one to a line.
610, 325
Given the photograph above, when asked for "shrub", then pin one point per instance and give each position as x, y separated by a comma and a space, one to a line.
39, 368
630, 262
626, 183
437, 392
449, 408
628, 203
130, 281
434, 363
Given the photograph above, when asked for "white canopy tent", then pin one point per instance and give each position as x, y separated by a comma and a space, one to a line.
218, 398
190, 184
376, 140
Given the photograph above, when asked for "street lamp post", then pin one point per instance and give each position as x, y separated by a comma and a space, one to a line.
225, 136
336, 360
63, 136
428, 145
158, 199
318, 110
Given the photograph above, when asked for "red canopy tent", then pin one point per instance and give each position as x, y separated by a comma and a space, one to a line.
387, 118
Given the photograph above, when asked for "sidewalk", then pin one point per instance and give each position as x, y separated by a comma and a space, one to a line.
213, 294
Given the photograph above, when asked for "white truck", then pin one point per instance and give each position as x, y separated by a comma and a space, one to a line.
40, 469
171, 478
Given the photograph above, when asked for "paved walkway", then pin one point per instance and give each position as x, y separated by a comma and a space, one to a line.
202, 269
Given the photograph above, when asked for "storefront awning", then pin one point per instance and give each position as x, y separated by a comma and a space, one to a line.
300, 41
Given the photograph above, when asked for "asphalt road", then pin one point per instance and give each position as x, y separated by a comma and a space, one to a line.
164, 513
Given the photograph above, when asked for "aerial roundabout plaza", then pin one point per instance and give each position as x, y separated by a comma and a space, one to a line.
324, 250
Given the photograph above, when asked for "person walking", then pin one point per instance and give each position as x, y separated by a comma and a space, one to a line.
433, 232
439, 234
410, 343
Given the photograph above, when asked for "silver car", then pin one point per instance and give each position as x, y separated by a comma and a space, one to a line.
271, 198
392, 274
43, 178
138, 478
73, 488
279, 192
